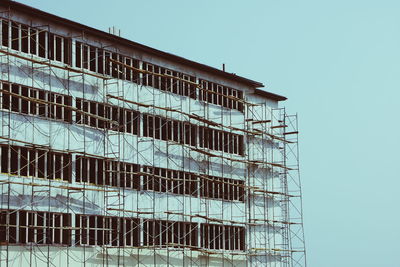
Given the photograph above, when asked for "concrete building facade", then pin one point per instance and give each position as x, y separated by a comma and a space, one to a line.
113, 153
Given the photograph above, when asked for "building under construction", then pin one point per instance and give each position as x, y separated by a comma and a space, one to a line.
113, 153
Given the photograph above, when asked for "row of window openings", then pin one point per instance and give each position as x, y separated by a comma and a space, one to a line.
126, 68
168, 80
35, 102
38, 102
35, 41
39, 163
47, 45
127, 175
221, 95
125, 120
190, 134
107, 117
121, 67
105, 62
23, 227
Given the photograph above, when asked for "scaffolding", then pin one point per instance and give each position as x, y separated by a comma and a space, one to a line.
137, 198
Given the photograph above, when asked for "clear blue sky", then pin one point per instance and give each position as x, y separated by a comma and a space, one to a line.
337, 61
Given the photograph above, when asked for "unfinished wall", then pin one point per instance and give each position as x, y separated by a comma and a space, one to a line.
110, 158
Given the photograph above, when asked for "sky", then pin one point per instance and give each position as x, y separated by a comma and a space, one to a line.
337, 61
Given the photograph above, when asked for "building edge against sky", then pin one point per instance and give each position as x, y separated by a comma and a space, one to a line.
113, 153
